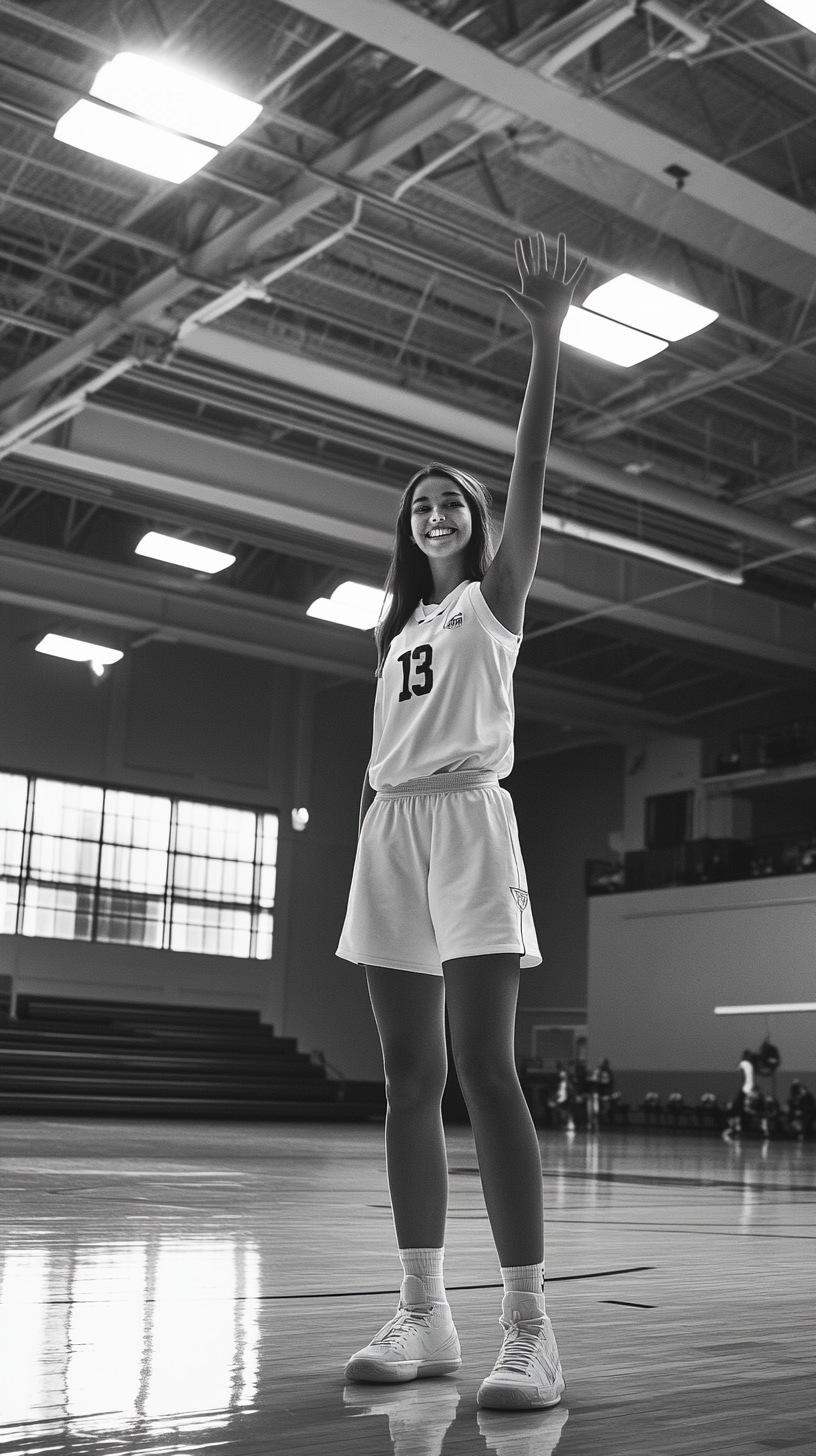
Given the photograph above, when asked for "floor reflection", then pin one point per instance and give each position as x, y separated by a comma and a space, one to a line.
117, 1333
166, 1289
419, 1414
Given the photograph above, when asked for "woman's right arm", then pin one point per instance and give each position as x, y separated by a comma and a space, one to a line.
366, 801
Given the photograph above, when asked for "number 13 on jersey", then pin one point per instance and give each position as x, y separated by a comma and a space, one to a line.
420, 659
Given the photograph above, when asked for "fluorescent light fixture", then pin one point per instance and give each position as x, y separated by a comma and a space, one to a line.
352, 605
183, 553
643, 305
132, 143
608, 340
174, 98
765, 1010
76, 651
802, 11
634, 547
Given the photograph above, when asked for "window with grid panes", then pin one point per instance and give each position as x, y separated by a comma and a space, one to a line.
83, 862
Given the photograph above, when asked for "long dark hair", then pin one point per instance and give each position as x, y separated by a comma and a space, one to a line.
409, 576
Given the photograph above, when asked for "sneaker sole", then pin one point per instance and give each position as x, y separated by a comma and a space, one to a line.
508, 1397
382, 1373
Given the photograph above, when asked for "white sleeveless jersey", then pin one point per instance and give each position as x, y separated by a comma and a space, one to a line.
445, 698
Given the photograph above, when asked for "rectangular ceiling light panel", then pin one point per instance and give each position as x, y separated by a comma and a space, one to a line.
643, 305
183, 553
351, 605
174, 98
802, 11
608, 340
75, 651
131, 142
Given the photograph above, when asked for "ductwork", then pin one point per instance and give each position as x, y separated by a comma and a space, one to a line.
448, 420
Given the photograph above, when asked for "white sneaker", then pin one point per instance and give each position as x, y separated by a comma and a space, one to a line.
420, 1340
527, 1374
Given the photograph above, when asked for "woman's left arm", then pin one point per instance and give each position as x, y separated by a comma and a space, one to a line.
544, 298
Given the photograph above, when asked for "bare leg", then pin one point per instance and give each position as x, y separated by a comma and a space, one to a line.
409, 1009
482, 992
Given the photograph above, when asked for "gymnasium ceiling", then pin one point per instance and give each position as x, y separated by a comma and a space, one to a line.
414, 141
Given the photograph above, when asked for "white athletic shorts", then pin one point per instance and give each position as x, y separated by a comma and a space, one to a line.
439, 875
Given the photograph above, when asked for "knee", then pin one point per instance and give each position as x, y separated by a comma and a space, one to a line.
413, 1082
486, 1079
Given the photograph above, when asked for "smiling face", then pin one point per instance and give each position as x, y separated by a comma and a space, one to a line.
441, 524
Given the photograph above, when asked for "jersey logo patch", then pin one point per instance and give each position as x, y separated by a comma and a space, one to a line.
521, 897
455, 621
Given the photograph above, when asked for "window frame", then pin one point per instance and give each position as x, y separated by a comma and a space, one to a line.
169, 896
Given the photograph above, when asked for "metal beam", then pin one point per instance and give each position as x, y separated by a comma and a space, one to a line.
358, 160
399, 31
240, 241
236, 484
681, 215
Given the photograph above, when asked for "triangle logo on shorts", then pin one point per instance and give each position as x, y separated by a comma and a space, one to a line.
521, 897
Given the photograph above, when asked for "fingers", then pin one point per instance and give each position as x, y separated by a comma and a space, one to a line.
531, 258
560, 272
521, 261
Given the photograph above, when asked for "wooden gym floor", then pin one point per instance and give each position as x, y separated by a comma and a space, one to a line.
185, 1287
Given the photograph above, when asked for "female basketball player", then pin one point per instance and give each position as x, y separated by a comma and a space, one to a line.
439, 910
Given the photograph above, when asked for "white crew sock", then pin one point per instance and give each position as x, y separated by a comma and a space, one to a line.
426, 1264
525, 1279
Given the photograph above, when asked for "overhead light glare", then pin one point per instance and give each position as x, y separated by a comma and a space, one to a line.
174, 98
633, 547
75, 651
608, 340
802, 11
764, 1009
641, 305
351, 605
183, 553
131, 142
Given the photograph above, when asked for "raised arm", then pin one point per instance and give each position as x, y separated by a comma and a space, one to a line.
544, 298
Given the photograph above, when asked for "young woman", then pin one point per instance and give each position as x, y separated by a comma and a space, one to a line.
439, 910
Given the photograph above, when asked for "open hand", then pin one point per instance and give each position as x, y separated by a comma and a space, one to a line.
544, 297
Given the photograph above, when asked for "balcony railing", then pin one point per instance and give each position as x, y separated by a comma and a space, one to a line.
703, 861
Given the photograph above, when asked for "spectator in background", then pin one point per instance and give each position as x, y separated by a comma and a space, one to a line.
745, 1099
601, 1085
563, 1100
800, 1109
767, 1061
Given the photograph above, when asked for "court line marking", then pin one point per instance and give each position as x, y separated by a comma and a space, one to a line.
630, 1303
660, 1228
658, 1180
457, 1288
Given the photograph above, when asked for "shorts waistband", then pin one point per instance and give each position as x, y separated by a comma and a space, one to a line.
442, 783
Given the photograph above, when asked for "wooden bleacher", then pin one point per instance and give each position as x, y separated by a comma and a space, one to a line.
68, 1056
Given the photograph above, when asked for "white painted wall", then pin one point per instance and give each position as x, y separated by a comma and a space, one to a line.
134, 973
661, 960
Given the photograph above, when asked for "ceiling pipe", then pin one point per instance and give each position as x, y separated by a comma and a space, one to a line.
698, 38
62, 410
587, 36
258, 287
